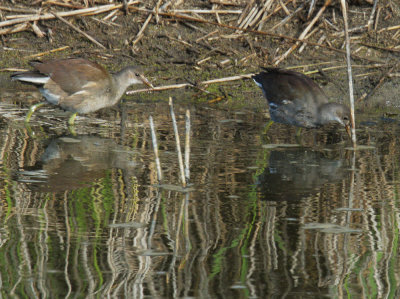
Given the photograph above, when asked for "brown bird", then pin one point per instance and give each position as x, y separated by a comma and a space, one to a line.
297, 100
78, 85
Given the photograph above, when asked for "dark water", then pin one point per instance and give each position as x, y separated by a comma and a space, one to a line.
267, 215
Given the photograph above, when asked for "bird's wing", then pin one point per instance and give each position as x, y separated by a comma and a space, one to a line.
74, 75
283, 86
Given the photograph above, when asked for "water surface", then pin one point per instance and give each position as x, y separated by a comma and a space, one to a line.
266, 214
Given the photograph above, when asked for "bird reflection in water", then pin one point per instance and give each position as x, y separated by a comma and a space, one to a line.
74, 162
293, 174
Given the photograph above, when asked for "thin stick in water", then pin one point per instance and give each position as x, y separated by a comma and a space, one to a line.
155, 148
349, 73
187, 146
178, 142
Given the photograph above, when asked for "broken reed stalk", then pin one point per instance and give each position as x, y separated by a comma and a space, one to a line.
182, 85
257, 32
155, 148
140, 33
371, 17
365, 96
178, 142
47, 16
349, 73
187, 146
47, 52
302, 35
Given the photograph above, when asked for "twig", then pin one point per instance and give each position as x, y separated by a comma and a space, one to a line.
371, 17
380, 48
47, 52
155, 148
301, 37
248, 18
203, 11
288, 18
377, 18
307, 37
206, 36
187, 146
266, 16
21, 10
140, 33
35, 28
64, 4
15, 29
78, 30
12, 69
178, 142
244, 13
262, 11
264, 33
349, 73
365, 96
110, 15
106, 22
222, 2
48, 16
156, 9
284, 8
160, 88
389, 28
217, 15
182, 85
311, 9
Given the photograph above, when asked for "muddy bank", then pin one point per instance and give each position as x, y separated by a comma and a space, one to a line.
187, 42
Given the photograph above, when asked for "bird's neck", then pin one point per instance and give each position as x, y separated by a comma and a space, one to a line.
327, 113
121, 83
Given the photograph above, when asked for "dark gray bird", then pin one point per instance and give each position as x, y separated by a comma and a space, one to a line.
295, 99
78, 85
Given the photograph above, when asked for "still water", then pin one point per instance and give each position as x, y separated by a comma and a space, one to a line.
266, 214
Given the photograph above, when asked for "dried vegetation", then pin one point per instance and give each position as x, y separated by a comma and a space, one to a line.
196, 43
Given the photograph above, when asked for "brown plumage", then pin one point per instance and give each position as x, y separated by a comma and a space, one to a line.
78, 85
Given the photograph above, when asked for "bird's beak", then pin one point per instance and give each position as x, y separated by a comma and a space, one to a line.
145, 81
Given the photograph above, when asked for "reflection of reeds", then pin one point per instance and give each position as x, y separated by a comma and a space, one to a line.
211, 239
178, 143
155, 148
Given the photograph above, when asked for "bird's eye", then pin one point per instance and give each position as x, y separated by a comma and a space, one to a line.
137, 74
345, 118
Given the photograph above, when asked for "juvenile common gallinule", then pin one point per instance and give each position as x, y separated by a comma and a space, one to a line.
297, 100
78, 85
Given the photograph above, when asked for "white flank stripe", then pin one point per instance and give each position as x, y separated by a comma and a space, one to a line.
258, 84
34, 80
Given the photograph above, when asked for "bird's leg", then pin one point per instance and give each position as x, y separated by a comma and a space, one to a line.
29, 130
267, 126
71, 130
71, 120
298, 131
265, 131
298, 136
32, 110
